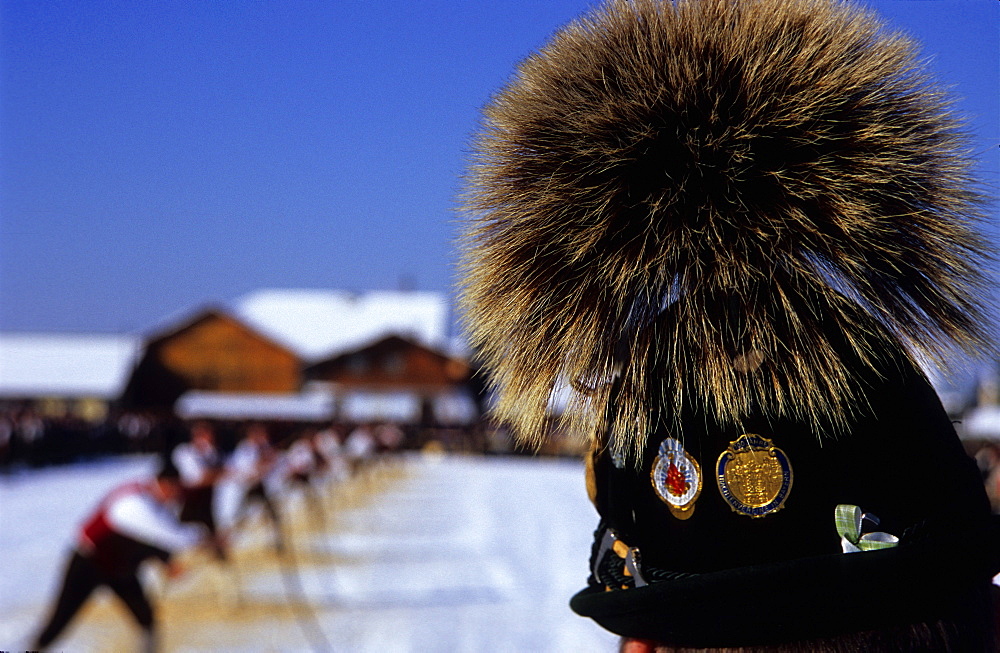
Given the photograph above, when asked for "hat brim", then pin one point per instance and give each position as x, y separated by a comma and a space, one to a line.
804, 598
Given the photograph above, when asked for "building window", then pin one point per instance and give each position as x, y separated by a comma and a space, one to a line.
357, 364
394, 364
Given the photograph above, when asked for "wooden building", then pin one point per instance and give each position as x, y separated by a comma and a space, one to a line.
399, 369
211, 351
58, 375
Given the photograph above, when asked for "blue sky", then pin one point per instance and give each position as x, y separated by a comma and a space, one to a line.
158, 156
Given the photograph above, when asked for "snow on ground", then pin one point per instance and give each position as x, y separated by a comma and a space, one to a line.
40, 511
449, 554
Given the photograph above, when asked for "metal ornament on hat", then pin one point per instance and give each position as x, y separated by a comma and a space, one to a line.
754, 476
848, 519
676, 477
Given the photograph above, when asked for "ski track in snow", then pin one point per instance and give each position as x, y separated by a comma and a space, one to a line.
459, 554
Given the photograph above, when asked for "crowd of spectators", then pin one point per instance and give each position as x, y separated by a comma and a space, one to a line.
31, 439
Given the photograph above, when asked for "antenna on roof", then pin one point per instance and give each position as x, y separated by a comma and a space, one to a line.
407, 283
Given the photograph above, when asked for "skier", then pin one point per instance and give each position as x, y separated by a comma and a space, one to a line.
247, 480
201, 467
134, 523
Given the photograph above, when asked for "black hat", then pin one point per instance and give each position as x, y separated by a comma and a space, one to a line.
735, 229
763, 534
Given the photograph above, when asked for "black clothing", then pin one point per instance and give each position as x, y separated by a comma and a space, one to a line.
83, 575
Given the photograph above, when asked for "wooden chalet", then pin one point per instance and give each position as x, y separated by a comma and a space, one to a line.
394, 365
212, 351
56, 375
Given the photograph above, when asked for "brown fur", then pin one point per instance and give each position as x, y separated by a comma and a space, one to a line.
775, 171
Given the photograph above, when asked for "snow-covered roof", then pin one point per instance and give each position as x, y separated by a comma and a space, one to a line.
221, 405
319, 323
316, 406
66, 365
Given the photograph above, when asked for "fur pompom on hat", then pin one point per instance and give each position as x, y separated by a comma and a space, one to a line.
782, 174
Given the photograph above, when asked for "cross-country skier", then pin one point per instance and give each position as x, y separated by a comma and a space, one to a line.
134, 523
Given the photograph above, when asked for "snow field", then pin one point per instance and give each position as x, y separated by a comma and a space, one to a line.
453, 554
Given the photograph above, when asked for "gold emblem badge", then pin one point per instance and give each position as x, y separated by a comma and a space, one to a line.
754, 476
676, 477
